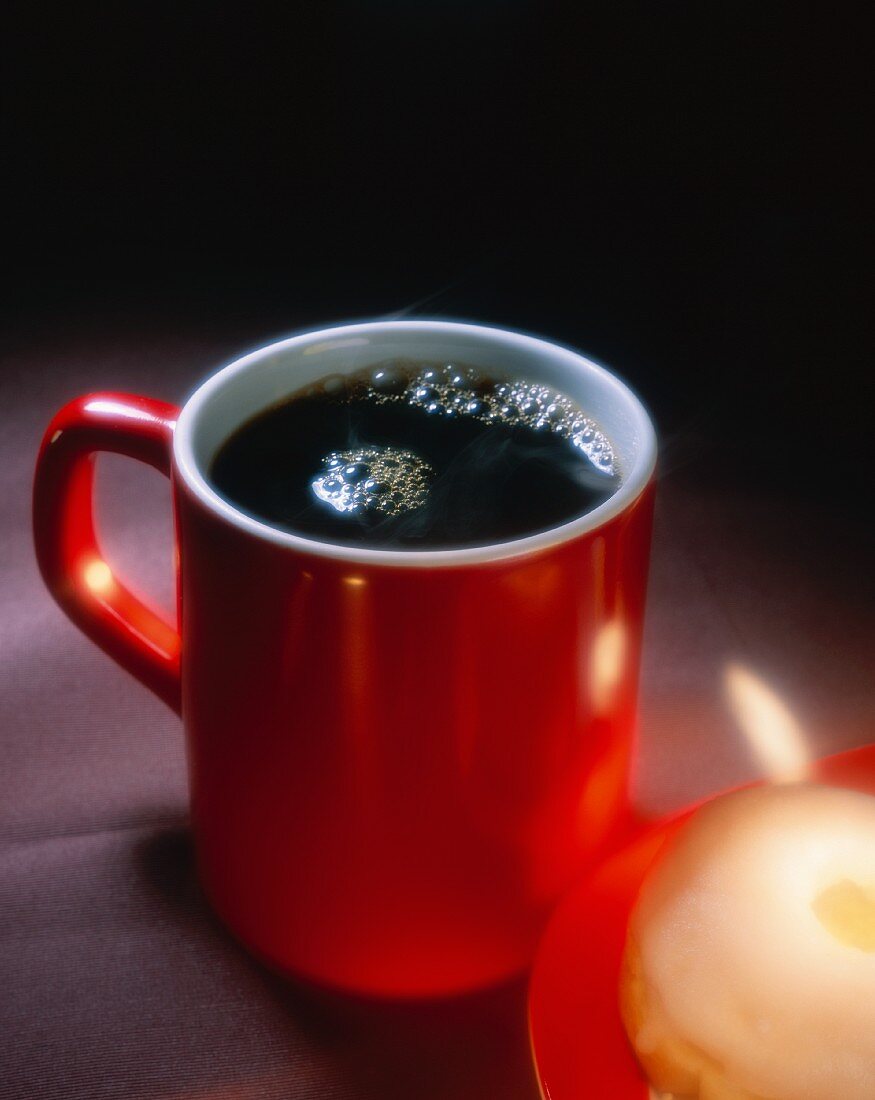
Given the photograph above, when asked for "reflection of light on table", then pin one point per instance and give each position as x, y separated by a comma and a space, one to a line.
773, 733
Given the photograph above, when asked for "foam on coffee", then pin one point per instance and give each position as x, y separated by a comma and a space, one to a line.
462, 391
419, 454
385, 479
393, 480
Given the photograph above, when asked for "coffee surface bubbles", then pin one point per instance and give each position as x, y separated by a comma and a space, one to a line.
418, 455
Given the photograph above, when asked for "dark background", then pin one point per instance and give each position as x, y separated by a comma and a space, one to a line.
676, 188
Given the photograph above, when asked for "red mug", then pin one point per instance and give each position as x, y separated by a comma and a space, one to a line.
398, 759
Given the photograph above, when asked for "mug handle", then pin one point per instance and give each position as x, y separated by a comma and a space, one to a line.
67, 547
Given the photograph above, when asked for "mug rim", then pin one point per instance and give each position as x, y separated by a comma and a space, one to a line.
635, 481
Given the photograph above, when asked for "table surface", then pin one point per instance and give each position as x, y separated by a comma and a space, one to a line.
115, 979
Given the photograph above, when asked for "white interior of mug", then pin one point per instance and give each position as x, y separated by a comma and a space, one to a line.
248, 386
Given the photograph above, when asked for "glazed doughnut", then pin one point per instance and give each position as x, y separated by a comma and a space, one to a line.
749, 969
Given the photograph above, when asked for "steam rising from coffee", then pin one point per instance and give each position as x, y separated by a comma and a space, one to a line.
420, 455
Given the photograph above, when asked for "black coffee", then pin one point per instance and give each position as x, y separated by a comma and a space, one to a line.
419, 456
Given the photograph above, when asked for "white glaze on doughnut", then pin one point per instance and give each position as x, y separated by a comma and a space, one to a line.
741, 983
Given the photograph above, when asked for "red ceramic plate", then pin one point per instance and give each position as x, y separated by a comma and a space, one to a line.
578, 1043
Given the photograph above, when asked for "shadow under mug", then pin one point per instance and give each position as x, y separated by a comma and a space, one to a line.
398, 760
